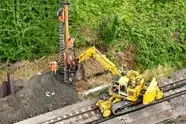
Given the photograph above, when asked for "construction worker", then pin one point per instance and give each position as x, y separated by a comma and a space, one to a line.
69, 59
53, 66
70, 43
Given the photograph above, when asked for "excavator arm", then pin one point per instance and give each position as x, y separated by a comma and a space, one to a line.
94, 53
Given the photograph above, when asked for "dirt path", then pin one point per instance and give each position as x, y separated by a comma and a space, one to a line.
33, 99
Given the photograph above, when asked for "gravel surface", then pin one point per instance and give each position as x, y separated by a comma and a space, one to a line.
41, 94
179, 103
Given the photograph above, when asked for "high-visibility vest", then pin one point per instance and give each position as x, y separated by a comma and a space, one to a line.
53, 66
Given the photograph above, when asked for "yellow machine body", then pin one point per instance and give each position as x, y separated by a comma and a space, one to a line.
130, 92
153, 92
129, 86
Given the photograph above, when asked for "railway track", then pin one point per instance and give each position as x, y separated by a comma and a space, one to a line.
77, 116
93, 115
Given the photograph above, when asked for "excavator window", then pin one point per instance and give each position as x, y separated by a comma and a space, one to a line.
116, 78
115, 86
123, 90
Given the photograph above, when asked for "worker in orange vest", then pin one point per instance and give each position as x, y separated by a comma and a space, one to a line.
68, 59
53, 66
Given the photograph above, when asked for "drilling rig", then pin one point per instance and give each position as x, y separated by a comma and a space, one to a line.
67, 58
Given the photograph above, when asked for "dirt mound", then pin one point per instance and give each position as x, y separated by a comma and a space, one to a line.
95, 75
41, 94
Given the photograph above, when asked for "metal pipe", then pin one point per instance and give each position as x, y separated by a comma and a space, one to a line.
66, 26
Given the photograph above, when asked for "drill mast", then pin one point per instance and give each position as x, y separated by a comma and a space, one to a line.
66, 62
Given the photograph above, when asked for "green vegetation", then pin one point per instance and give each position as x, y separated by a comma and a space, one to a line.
156, 29
28, 29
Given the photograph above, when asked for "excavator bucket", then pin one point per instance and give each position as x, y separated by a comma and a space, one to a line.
105, 107
152, 93
80, 72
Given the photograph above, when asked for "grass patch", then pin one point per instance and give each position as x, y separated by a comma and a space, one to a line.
159, 72
27, 69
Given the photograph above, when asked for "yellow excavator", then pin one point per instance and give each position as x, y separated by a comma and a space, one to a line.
127, 89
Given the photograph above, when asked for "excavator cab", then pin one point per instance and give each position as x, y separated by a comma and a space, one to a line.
123, 90
119, 87
127, 87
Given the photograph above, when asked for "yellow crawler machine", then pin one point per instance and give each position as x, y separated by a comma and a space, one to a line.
126, 90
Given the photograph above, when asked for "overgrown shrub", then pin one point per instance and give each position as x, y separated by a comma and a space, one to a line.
156, 29
28, 29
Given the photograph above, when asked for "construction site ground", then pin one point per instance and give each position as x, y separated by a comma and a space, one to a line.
38, 91
44, 92
41, 94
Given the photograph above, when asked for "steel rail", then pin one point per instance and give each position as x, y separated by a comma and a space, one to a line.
71, 115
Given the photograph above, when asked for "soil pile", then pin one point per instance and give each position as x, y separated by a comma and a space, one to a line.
41, 94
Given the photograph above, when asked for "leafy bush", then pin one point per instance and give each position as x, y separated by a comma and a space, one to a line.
155, 28
28, 29
110, 29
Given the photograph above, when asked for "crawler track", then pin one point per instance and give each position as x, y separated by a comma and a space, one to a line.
92, 114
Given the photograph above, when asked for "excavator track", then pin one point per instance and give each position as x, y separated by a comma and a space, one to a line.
122, 107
